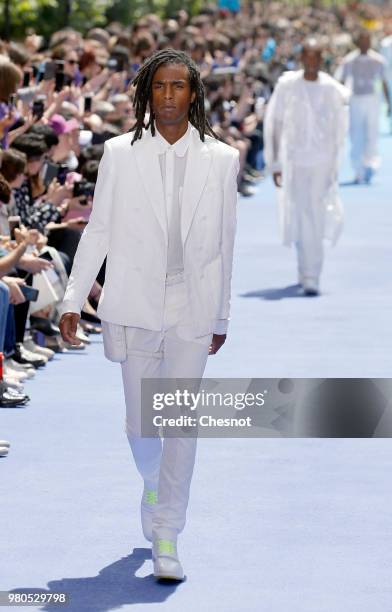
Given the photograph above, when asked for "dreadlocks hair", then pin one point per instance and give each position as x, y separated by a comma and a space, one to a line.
143, 83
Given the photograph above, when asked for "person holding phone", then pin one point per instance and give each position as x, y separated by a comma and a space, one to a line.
10, 80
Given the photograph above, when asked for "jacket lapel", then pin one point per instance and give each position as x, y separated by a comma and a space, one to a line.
197, 169
147, 162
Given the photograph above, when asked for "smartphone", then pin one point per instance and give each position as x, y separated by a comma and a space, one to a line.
50, 71
14, 222
12, 101
112, 64
30, 293
46, 256
60, 65
62, 173
51, 172
59, 81
87, 103
38, 108
120, 63
26, 78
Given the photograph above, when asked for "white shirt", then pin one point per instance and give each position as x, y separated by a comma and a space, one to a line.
309, 140
172, 160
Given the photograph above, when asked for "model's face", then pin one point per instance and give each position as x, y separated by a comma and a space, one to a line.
364, 43
171, 94
311, 59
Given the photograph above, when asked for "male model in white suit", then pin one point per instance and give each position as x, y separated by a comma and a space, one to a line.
164, 214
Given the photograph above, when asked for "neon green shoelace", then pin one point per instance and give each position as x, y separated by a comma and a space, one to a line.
151, 497
166, 546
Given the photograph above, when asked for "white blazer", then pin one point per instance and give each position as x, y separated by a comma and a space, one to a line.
128, 225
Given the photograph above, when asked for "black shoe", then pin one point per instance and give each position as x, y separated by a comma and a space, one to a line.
44, 325
21, 356
86, 316
311, 292
245, 189
10, 398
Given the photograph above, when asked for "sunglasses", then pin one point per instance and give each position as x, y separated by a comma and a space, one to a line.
72, 61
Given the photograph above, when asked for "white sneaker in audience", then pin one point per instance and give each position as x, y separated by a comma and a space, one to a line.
15, 374
19, 367
81, 335
30, 354
74, 347
30, 345
12, 382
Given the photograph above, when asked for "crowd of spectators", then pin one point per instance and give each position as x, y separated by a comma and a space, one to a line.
60, 99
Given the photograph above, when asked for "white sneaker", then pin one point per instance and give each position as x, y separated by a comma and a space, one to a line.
310, 287
19, 367
12, 382
165, 558
81, 335
32, 355
15, 374
5, 443
31, 346
74, 347
3, 451
147, 507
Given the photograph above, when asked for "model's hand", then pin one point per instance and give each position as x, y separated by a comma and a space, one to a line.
277, 176
217, 341
68, 327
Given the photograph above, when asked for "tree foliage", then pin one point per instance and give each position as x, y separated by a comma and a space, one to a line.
47, 16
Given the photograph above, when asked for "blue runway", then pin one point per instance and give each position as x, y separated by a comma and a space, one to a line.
274, 525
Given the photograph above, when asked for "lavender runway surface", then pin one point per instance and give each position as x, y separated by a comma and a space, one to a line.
273, 524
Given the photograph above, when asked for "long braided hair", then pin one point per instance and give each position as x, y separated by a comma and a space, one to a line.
143, 83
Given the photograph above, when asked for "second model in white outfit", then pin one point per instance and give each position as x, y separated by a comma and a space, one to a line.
305, 127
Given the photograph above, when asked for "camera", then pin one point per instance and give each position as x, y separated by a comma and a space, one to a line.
83, 188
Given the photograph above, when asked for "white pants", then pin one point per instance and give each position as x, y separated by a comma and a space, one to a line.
170, 353
309, 187
364, 127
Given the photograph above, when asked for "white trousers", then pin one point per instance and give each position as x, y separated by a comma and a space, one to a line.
364, 128
171, 353
309, 187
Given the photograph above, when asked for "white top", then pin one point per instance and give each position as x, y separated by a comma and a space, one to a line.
310, 139
363, 70
172, 160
